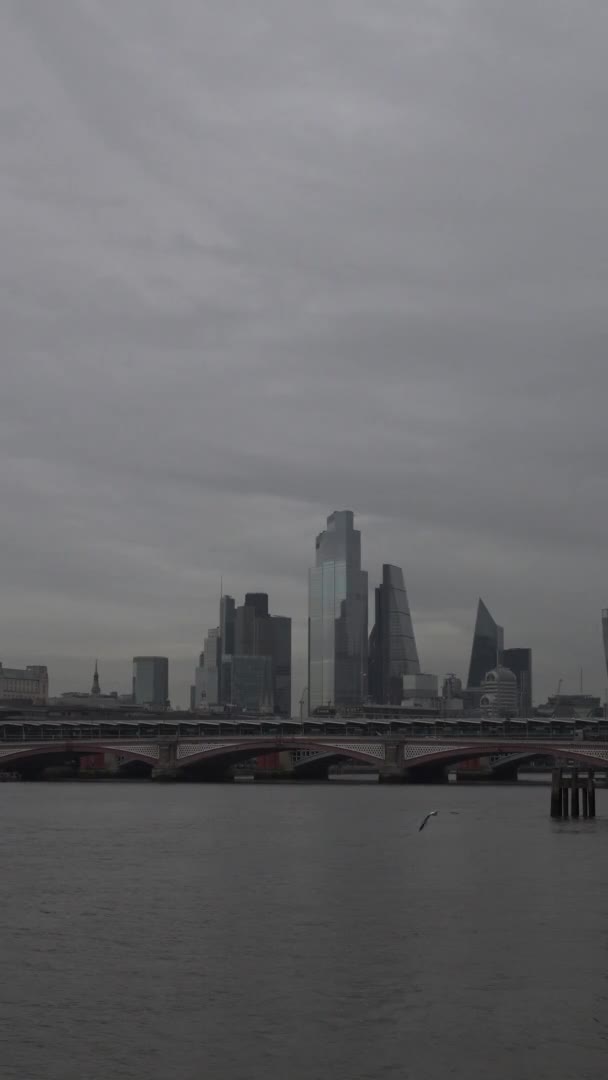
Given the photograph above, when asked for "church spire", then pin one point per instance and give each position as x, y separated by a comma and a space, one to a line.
95, 689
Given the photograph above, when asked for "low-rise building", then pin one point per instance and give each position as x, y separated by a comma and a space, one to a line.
420, 691
29, 684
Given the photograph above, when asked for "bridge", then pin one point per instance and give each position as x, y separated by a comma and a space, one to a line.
28, 750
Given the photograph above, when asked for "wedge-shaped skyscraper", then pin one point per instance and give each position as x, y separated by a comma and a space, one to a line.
488, 646
392, 645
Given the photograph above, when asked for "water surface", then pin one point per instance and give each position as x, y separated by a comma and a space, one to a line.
253, 932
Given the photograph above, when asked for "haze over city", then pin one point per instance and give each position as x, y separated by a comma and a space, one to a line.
261, 261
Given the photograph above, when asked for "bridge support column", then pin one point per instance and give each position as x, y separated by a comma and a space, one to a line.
427, 774
575, 809
591, 793
392, 776
167, 762
556, 794
391, 771
563, 782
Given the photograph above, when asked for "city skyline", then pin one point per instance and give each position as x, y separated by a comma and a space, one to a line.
391, 578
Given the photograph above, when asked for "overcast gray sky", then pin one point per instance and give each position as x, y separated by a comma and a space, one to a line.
262, 259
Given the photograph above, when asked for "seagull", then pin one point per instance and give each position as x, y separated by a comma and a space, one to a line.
433, 813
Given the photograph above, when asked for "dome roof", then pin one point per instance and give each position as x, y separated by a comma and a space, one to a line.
500, 675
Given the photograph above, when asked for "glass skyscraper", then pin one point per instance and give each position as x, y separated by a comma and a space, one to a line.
213, 656
247, 632
151, 681
251, 683
392, 645
337, 616
227, 620
281, 664
519, 661
488, 645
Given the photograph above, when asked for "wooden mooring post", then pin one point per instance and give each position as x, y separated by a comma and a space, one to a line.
566, 784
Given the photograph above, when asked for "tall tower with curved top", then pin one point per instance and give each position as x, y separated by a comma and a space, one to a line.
337, 616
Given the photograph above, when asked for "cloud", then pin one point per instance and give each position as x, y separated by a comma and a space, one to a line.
261, 261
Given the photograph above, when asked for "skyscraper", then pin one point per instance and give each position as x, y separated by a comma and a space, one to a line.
337, 616
392, 645
248, 631
251, 683
258, 601
519, 661
244, 631
605, 634
227, 625
488, 645
211, 670
281, 664
151, 681
198, 696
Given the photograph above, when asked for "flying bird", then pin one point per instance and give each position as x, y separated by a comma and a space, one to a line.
433, 813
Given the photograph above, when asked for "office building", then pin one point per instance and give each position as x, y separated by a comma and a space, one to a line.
281, 664
257, 633
488, 645
259, 602
247, 631
227, 625
451, 695
392, 645
29, 685
337, 617
211, 666
151, 681
519, 661
605, 635
569, 706
499, 694
226, 680
251, 683
198, 694
420, 691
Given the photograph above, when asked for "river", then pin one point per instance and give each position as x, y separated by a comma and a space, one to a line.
300, 932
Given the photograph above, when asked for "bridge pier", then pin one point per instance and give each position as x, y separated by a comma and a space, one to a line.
574, 806
166, 769
426, 774
591, 794
390, 776
566, 785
